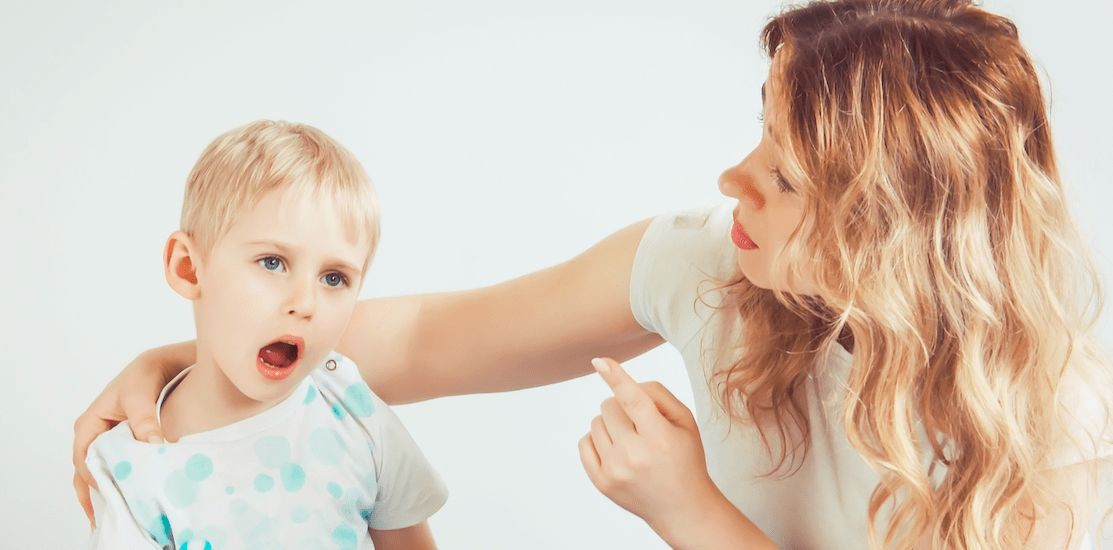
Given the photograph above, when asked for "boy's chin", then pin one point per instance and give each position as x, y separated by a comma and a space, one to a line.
259, 388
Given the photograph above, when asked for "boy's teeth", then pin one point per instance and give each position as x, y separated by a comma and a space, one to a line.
278, 354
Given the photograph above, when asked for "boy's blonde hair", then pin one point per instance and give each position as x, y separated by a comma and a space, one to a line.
242, 165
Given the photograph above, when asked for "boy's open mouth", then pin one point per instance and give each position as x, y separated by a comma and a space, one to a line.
281, 353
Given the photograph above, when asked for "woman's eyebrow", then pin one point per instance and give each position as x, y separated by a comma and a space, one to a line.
768, 124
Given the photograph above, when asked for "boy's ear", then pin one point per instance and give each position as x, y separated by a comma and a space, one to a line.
178, 262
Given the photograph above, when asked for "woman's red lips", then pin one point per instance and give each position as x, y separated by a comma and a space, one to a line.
740, 238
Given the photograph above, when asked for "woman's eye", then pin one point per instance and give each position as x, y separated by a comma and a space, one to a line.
782, 183
335, 279
270, 263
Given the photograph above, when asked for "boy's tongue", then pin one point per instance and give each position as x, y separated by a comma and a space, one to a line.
278, 354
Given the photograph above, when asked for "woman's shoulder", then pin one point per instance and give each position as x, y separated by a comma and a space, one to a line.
683, 257
704, 229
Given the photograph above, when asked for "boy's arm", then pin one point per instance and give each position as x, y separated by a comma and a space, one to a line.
414, 537
540, 328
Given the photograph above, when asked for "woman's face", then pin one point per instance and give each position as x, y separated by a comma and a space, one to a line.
769, 208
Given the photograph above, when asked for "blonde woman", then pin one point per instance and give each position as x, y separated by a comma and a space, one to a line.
887, 331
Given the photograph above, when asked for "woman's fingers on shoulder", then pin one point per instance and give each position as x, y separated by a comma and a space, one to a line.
137, 406
85, 429
81, 487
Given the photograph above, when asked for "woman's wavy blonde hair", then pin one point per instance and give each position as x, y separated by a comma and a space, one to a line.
938, 232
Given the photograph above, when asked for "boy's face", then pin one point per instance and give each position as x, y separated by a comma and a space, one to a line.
276, 292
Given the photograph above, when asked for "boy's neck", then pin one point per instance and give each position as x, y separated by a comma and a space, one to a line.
204, 400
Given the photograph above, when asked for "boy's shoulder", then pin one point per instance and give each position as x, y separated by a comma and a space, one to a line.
339, 382
115, 440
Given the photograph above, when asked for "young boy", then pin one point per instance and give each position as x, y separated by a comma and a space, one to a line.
274, 440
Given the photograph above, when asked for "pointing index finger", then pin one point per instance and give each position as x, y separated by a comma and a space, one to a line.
638, 404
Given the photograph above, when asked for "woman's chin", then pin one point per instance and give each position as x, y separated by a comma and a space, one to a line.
752, 273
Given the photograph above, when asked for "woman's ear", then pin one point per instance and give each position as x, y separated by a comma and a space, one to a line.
179, 263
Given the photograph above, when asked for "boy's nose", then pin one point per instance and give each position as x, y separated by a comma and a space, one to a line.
303, 301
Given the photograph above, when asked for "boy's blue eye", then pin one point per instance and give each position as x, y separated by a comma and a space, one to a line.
335, 279
270, 263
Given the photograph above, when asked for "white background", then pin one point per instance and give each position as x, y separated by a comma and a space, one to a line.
503, 137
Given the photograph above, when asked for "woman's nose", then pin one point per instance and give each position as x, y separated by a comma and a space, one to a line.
737, 182
728, 182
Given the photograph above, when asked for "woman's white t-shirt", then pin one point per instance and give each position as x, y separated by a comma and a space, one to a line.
681, 259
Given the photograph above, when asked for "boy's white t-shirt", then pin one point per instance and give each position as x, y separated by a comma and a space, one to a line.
682, 258
316, 470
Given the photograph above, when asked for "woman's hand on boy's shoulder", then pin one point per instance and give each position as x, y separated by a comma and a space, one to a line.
130, 396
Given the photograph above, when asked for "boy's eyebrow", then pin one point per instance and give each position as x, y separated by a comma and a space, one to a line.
333, 262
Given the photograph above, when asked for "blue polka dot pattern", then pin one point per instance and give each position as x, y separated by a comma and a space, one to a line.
357, 398
189, 545
293, 476
344, 537
199, 467
264, 483
180, 489
338, 411
270, 471
122, 470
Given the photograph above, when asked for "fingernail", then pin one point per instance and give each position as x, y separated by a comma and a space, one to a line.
600, 365
154, 439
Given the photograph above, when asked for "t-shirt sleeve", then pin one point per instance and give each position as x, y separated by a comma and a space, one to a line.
409, 489
116, 527
681, 258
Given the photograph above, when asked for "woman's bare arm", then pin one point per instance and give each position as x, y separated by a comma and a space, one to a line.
537, 329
